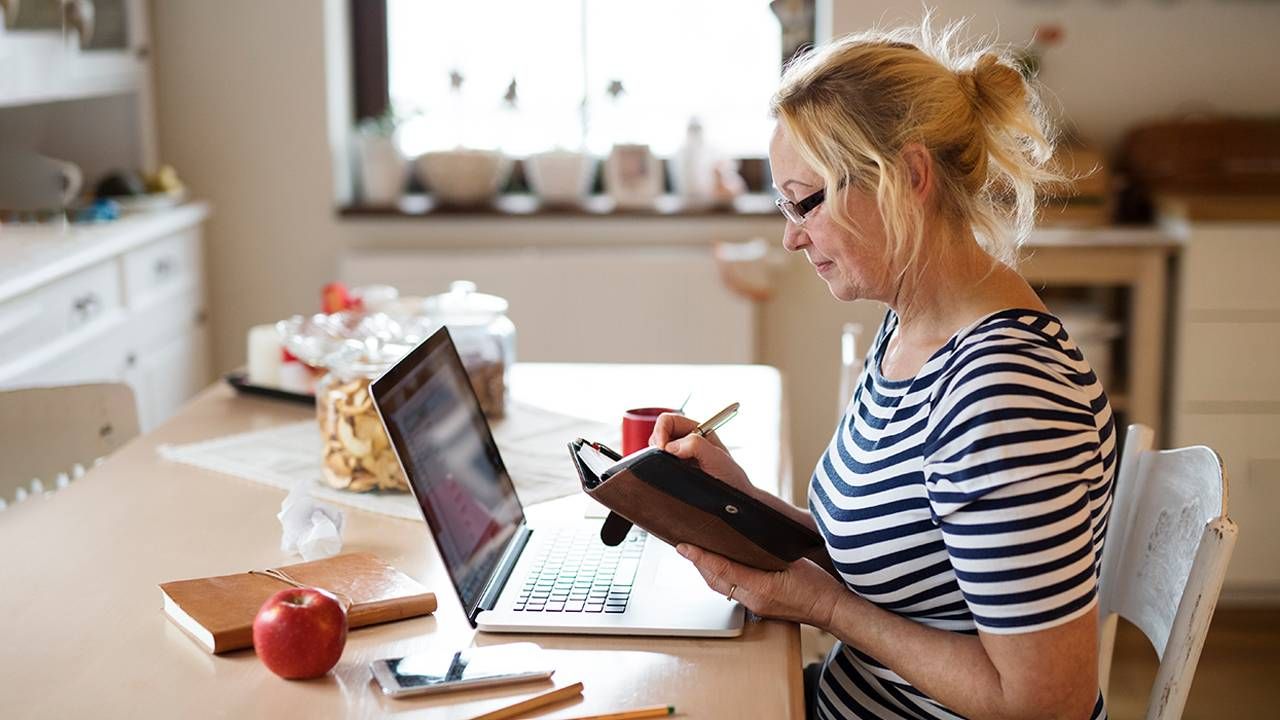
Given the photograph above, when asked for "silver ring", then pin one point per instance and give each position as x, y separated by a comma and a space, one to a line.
732, 590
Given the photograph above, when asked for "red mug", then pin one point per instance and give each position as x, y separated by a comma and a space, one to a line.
637, 426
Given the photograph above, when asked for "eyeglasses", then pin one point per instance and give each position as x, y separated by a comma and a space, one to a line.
796, 212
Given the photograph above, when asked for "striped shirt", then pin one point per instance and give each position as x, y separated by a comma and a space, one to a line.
973, 496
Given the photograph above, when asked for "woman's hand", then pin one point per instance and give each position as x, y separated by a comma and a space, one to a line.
672, 433
802, 593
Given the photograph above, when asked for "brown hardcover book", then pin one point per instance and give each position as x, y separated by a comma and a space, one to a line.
218, 612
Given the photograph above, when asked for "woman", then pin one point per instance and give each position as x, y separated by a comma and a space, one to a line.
964, 496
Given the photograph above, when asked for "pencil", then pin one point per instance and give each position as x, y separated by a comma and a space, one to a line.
648, 712
533, 703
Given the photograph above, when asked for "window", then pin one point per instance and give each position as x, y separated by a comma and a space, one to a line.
449, 65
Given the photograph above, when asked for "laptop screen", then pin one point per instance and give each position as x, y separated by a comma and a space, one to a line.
451, 461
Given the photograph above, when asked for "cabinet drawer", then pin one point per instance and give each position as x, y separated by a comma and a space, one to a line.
158, 323
1232, 268
100, 356
1247, 445
1229, 362
152, 271
77, 302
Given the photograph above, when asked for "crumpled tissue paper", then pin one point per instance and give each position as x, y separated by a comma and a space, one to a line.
311, 529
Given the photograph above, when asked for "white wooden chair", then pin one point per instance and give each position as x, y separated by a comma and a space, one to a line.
47, 431
1166, 553
850, 364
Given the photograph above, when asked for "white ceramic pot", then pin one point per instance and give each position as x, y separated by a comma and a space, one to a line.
464, 177
382, 170
560, 177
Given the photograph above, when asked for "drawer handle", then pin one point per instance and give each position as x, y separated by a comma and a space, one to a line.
164, 267
86, 306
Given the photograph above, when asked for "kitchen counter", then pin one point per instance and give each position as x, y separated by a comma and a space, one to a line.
1110, 236
32, 256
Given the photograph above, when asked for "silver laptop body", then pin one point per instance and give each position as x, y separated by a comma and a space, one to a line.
511, 577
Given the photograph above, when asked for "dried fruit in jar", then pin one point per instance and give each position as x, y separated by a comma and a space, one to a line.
488, 378
357, 453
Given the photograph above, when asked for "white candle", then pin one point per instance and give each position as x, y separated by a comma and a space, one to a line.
264, 355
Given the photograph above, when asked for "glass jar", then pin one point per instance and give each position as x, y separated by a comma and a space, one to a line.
485, 338
353, 348
357, 454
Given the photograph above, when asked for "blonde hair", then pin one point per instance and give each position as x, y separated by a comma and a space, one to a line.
852, 105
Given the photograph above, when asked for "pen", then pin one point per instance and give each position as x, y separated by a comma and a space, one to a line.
716, 421
533, 703
648, 712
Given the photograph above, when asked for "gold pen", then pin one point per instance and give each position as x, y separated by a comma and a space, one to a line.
720, 418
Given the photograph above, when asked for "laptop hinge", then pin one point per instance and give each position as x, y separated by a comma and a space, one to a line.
502, 572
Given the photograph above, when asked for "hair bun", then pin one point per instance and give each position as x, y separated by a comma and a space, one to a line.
992, 85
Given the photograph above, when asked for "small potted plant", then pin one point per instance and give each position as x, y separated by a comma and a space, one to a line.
383, 168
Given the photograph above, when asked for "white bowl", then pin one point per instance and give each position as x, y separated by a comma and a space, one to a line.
560, 177
464, 177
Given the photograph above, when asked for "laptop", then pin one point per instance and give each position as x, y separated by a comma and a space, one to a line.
509, 576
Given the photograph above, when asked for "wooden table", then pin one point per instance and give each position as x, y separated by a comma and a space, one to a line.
84, 634
1139, 261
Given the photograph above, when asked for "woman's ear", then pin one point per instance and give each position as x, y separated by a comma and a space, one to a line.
919, 164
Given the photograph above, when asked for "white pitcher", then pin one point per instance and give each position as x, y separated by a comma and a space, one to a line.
31, 182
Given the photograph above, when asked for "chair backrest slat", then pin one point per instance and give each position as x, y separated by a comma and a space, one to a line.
48, 430
1165, 557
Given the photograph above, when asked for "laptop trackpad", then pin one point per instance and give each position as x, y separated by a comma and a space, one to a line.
675, 573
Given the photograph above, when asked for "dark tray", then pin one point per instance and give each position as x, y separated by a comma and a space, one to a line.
239, 379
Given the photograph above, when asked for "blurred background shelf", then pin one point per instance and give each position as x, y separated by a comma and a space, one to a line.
520, 205
46, 60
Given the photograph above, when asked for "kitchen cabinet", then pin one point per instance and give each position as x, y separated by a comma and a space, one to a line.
1225, 384
46, 64
117, 302
166, 376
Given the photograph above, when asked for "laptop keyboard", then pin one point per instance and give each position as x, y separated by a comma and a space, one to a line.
573, 571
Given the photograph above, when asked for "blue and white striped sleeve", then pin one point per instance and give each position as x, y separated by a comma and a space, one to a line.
1010, 456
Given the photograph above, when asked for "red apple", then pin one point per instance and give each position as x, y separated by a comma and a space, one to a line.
300, 632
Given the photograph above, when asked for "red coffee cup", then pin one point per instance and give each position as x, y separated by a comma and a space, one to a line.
637, 426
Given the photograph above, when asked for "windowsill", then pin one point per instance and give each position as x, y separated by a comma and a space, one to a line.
528, 206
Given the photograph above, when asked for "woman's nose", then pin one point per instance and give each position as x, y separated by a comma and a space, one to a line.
793, 237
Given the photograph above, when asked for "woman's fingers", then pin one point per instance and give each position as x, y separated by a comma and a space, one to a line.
670, 427
712, 460
716, 570
698, 449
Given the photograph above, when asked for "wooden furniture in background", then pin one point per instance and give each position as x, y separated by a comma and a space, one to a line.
1169, 542
117, 301
1087, 199
47, 64
82, 608
1138, 262
94, 105
121, 302
1224, 382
